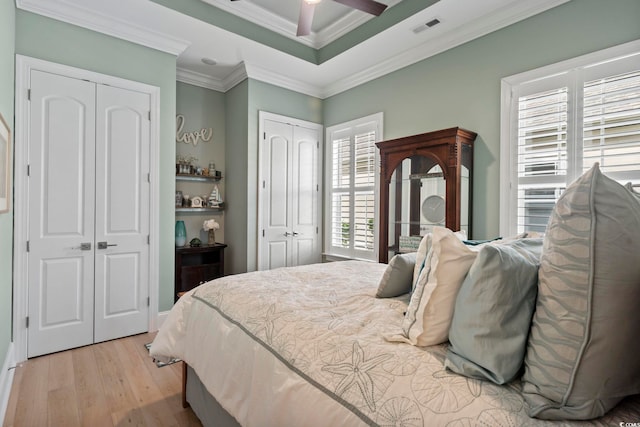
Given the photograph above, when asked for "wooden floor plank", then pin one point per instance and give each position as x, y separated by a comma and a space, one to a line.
108, 384
113, 373
61, 372
62, 408
32, 407
92, 406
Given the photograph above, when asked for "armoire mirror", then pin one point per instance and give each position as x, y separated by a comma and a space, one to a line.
425, 182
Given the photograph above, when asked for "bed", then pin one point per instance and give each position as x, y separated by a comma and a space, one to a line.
307, 346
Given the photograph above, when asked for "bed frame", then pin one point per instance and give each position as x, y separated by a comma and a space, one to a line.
203, 404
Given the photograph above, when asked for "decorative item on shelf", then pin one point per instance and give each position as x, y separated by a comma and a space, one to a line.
215, 199
186, 202
211, 225
195, 242
196, 202
178, 199
186, 165
181, 234
212, 169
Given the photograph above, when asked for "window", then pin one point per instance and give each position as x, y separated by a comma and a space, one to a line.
352, 188
557, 122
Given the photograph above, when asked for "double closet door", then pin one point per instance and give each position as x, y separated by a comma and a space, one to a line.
289, 193
88, 213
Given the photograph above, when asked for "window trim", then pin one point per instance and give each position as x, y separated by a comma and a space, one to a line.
508, 117
330, 252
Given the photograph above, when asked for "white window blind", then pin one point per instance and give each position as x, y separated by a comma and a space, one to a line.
352, 175
611, 124
542, 155
560, 124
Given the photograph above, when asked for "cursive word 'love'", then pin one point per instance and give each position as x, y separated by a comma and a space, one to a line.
204, 134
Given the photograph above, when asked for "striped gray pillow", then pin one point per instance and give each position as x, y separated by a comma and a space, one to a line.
582, 355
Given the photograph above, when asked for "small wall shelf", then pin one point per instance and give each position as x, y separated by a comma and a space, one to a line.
199, 210
198, 178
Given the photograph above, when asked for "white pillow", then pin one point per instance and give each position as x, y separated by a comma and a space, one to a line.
430, 310
423, 251
421, 256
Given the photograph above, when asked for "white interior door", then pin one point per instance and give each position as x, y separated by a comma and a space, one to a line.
88, 213
277, 225
122, 212
289, 194
61, 210
305, 196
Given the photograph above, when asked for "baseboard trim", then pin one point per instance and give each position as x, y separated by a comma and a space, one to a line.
6, 380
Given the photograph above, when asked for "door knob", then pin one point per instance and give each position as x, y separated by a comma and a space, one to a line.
104, 245
287, 234
84, 246
295, 233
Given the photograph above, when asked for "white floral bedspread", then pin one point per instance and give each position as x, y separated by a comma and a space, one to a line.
304, 346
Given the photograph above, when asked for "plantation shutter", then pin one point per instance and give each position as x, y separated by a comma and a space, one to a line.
353, 177
542, 158
611, 125
567, 123
364, 197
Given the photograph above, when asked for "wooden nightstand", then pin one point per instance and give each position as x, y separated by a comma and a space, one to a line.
197, 265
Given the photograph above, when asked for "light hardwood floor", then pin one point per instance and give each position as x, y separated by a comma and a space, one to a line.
110, 384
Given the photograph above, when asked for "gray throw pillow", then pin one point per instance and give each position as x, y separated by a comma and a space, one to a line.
583, 350
493, 312
398, 277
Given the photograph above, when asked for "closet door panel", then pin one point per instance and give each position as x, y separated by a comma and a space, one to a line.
276, 203
61, 212
305, 196
122, 212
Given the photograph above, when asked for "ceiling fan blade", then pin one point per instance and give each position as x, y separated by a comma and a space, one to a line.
369, 6
306, 18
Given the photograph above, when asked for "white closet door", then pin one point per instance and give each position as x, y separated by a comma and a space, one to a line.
289, 195
305, 196
276, 151
61, 210
122, 212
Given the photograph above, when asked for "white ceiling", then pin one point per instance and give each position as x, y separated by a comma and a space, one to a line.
147, 23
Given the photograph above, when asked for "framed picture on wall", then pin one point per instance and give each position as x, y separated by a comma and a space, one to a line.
5, 162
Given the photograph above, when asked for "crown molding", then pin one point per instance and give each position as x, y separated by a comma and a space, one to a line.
112, 26
198, 79
277, 79
264, 18
343, 26
237, 75
267, 19
433, 47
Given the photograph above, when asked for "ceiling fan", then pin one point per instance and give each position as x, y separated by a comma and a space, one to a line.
308, 7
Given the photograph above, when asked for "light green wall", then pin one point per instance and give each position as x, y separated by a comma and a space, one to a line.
237, 110
202, 108
7, 47
55, 41
243, 104
461, 87
273, 99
